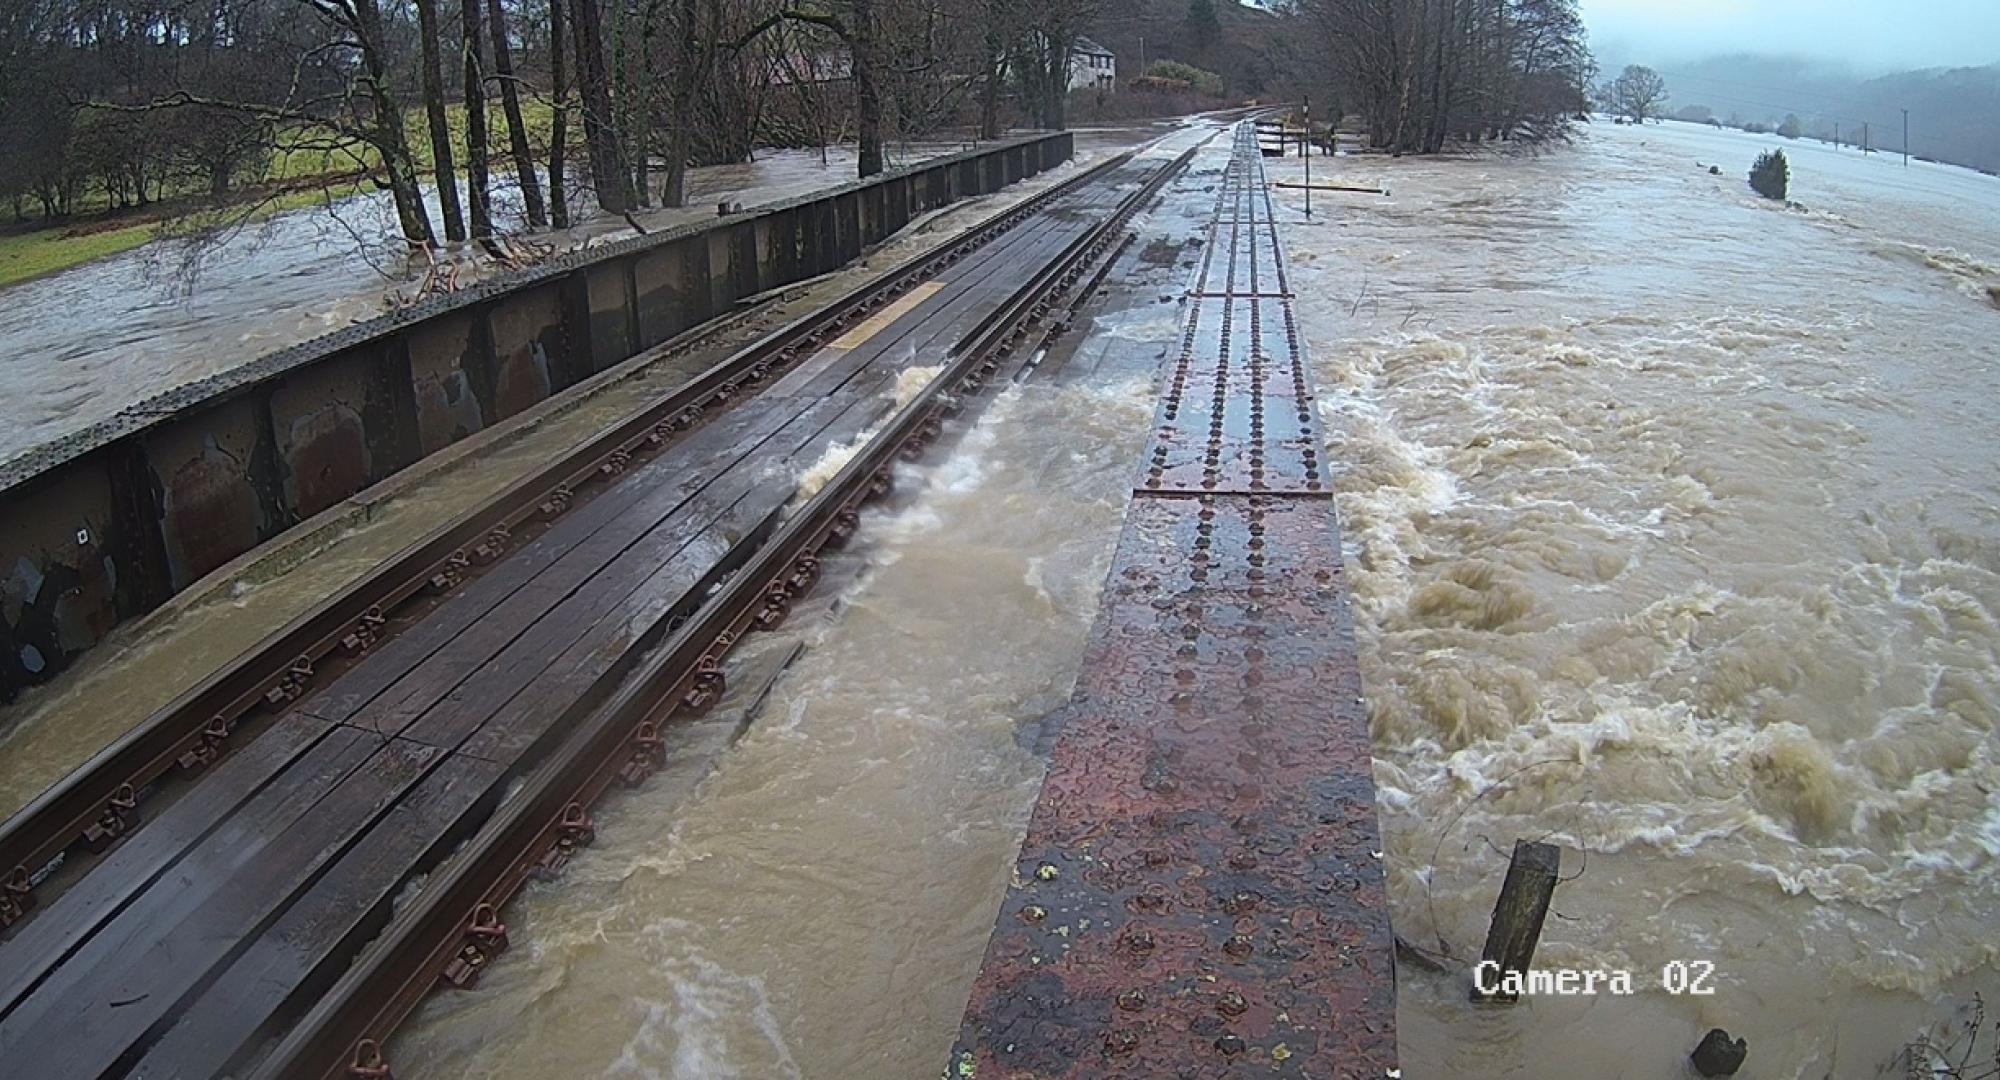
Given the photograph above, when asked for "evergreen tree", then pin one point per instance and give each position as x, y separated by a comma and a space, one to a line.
1771, 176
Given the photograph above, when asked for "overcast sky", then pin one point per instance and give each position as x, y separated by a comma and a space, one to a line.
1874, 35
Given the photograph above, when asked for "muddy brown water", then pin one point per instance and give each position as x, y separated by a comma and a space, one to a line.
1675, 535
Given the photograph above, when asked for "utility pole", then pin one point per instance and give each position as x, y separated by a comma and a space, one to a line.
1864, 138
1836, 135
1906, 138
1142, 54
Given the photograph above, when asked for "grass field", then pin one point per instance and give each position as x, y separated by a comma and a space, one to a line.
32, 254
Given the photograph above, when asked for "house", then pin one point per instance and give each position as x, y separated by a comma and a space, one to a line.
1092, 66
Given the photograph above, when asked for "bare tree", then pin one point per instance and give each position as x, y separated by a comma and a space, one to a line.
1638, 93
517, 127
559, 116
478, 189
1423, 74
600, 132
440, 128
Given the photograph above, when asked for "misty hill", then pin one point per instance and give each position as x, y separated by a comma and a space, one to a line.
1241, 44
1954, 112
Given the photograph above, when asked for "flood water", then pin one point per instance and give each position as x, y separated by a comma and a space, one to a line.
1674, 523
78, 346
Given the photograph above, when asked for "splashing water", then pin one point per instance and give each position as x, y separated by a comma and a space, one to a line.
1676, 542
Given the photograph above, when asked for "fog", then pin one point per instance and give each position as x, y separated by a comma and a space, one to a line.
1872, 35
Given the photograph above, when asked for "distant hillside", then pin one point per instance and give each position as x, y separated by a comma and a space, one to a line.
1954, 112
1239, 46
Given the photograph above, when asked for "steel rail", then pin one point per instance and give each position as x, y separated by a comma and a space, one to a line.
455, 920
98, 802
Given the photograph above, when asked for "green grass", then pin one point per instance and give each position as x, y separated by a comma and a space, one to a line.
45, 251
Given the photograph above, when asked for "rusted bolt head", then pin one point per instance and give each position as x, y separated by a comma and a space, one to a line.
1132, 1000
1240, 903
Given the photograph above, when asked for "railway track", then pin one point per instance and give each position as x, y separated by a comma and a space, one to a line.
160, 990
95, 806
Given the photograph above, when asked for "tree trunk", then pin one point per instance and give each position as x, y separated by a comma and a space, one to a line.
629, 100
559, 122
477, 193
387, 130
517, 129
673, 190
441, 161
989, 89
867, 95
607, 165
693, 60
1053, 60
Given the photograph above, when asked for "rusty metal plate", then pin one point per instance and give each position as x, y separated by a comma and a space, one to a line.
1242, 255
1200, 892
1237, 410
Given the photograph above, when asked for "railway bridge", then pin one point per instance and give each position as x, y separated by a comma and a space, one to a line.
266, 875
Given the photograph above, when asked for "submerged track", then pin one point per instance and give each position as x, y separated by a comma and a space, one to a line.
285, 913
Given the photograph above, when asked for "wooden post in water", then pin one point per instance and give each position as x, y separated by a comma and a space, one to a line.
1517, 918
1306, 145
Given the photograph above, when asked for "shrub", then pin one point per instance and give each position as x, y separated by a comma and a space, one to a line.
1206, 82
1771, 175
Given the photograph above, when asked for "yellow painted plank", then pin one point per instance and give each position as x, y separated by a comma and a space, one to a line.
879, 321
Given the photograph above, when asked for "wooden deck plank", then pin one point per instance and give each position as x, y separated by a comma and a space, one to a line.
497, 593
491, 678
599, 658
125, 984
307, 948
60, 927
